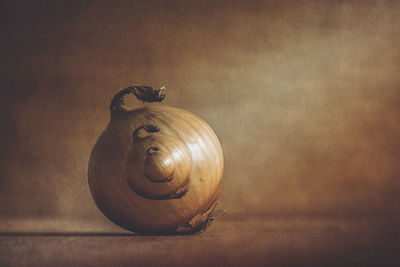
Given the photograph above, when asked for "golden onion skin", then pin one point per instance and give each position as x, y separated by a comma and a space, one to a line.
160, 182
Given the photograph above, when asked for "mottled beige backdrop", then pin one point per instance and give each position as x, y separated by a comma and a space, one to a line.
304, 96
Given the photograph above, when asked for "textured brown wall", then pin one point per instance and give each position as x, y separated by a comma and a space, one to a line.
304, 96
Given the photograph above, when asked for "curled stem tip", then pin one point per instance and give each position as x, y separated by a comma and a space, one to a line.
142, 92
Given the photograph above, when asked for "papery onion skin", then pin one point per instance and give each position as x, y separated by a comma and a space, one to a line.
190, 208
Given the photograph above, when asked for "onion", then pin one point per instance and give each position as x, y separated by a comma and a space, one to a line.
157, 169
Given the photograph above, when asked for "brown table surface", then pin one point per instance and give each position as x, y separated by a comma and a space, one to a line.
230, 241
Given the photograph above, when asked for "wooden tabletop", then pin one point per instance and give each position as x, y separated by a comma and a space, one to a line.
230, 241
